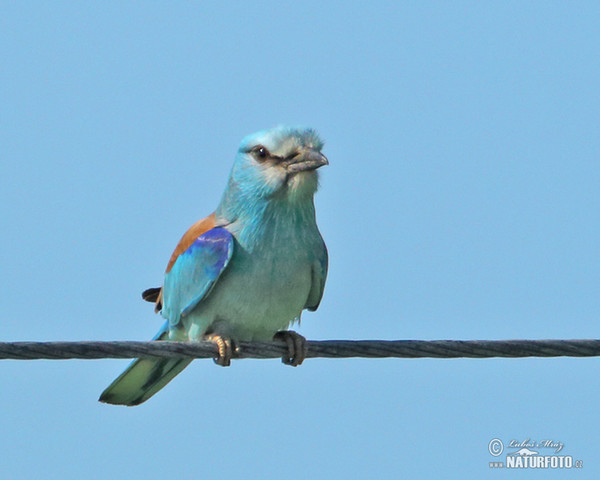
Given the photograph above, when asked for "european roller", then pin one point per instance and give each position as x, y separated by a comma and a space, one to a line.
247, 271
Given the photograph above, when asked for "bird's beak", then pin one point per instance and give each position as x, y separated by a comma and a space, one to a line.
308, 159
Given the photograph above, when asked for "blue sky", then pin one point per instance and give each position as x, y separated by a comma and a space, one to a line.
461, 202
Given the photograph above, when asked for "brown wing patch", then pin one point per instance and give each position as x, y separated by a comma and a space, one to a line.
189, 237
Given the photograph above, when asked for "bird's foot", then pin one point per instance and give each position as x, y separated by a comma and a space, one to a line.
227, 347
296, 345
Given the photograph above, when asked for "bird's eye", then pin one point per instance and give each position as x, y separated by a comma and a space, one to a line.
261, 152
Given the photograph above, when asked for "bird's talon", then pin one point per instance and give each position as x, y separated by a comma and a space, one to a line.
296, 345
227, 347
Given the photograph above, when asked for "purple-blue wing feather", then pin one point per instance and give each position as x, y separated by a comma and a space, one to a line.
195, 272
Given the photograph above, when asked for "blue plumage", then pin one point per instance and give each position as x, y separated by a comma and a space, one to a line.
250, 269
195, 272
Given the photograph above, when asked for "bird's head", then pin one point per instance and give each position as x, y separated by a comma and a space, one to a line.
281, 162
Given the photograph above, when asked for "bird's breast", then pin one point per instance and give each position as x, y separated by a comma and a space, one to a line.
264, 288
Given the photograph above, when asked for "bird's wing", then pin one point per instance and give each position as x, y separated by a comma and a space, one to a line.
155, 294
194, 272
189, 237
319, 275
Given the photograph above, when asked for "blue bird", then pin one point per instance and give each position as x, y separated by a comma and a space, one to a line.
247, 271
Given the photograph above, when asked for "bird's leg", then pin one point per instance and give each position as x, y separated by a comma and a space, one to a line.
296, 345
227, 347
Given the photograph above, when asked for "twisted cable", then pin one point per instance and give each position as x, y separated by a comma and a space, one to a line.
316, 349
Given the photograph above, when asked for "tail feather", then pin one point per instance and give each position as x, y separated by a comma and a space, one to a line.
143, 378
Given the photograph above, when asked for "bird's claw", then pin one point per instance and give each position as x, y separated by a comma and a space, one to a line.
296, 345
227, 348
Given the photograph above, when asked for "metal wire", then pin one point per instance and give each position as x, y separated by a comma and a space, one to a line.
326, 349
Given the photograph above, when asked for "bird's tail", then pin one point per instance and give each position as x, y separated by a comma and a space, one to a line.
143, 378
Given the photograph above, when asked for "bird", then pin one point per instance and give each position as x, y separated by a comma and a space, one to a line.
247, 271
